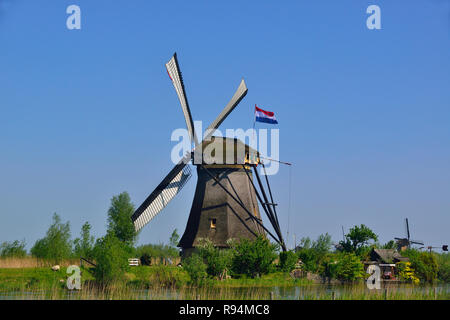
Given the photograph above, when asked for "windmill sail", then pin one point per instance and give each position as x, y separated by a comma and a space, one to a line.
237, 97
174, 72
162, 195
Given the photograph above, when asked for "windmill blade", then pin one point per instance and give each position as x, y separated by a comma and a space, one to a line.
162, 195
417, 242
237, 97
407, 228
175, 75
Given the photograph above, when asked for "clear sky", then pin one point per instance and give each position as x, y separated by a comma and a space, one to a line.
363, 114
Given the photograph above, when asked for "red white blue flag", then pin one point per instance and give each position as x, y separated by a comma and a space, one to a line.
264, 116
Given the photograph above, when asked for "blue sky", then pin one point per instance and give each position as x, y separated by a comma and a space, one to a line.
363, 114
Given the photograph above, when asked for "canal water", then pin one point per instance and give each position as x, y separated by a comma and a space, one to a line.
318, 291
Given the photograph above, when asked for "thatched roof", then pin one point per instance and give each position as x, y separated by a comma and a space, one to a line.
387, 256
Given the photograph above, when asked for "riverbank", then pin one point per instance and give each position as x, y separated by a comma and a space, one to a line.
170, 282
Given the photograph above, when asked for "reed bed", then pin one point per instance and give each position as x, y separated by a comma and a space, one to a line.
30, 262
122, 291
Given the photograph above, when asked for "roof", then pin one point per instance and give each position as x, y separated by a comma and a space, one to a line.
387, 255
216, 151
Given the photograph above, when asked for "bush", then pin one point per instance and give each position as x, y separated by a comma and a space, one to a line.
218, 261
348, 267
12, 249
196, 268
56, 245
253, 258
288, 261
424, 264
111, 256
443, 267
405, 272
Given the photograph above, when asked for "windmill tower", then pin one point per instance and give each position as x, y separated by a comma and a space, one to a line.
405, 243
225, 204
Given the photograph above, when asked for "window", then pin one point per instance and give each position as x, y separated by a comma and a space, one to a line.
212, 223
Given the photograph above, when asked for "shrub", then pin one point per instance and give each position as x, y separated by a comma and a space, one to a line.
253, 258
218, 261
424, 264
405, 272
348, 267
56, 245
196, 268
288, 260
14, 249
444, 267
111, 256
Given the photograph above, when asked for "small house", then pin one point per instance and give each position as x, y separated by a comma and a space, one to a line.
386, 259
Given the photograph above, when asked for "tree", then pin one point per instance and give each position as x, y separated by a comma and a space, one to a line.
311, 253
254, 257
84, 245
348, 267
357, 239
14, 249
119, 218
173, 241
111, 256
56, 245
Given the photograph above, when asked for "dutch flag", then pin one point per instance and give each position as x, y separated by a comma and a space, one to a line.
264, 116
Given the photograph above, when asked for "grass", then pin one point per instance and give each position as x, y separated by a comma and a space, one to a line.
170, 282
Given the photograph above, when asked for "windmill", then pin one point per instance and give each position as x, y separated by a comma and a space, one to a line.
225, 204
405, 243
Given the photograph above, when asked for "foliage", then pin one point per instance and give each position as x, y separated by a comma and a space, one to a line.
119, 218
357, 239
12, 249
405, 272
253, 257
196, 268
424, 264
389, 245
173, 241
218, 261
443, 261
56, 245
288, 260
348, 267
312, 253
111, 256
84, 245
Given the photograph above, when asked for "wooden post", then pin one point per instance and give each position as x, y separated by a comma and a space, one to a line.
385, 293
333, 295
271, 295
435, 293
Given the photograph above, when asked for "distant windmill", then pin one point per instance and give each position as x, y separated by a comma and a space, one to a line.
405, 243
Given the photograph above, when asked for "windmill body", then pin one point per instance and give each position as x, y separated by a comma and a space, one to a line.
225, 204
214, 214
